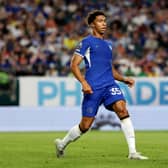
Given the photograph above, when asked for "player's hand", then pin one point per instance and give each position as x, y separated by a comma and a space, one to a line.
129, 81
86, 88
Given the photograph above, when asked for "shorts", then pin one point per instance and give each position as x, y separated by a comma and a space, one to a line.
105, 96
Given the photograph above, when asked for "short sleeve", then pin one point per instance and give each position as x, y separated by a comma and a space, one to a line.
82, 48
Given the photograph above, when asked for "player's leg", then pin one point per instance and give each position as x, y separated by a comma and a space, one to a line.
114, 101
120, 109
90, 106
86, 123
126, 124
73, 134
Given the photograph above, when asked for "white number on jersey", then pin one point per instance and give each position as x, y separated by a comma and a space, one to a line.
115, 91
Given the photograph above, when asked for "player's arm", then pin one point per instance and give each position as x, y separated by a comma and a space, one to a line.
75, 62
129, 81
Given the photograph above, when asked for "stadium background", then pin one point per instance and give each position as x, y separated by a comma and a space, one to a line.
37, 91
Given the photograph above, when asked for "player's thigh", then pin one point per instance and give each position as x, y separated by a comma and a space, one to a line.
91, 103
113, 94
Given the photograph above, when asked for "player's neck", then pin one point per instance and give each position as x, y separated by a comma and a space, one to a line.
97, 35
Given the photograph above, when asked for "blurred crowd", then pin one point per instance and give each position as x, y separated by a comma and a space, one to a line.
38, 37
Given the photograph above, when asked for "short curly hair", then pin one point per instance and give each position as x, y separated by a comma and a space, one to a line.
92, 15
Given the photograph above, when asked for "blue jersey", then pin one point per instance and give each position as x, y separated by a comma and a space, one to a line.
97, 54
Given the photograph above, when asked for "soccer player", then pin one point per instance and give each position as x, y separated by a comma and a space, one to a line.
98, 85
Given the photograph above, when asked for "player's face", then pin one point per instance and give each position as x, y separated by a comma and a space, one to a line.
99, 24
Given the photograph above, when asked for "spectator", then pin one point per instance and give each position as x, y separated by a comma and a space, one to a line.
34, 32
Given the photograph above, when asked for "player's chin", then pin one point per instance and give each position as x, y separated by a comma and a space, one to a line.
102, 32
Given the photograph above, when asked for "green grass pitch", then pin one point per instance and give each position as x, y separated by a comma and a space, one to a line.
96, 149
